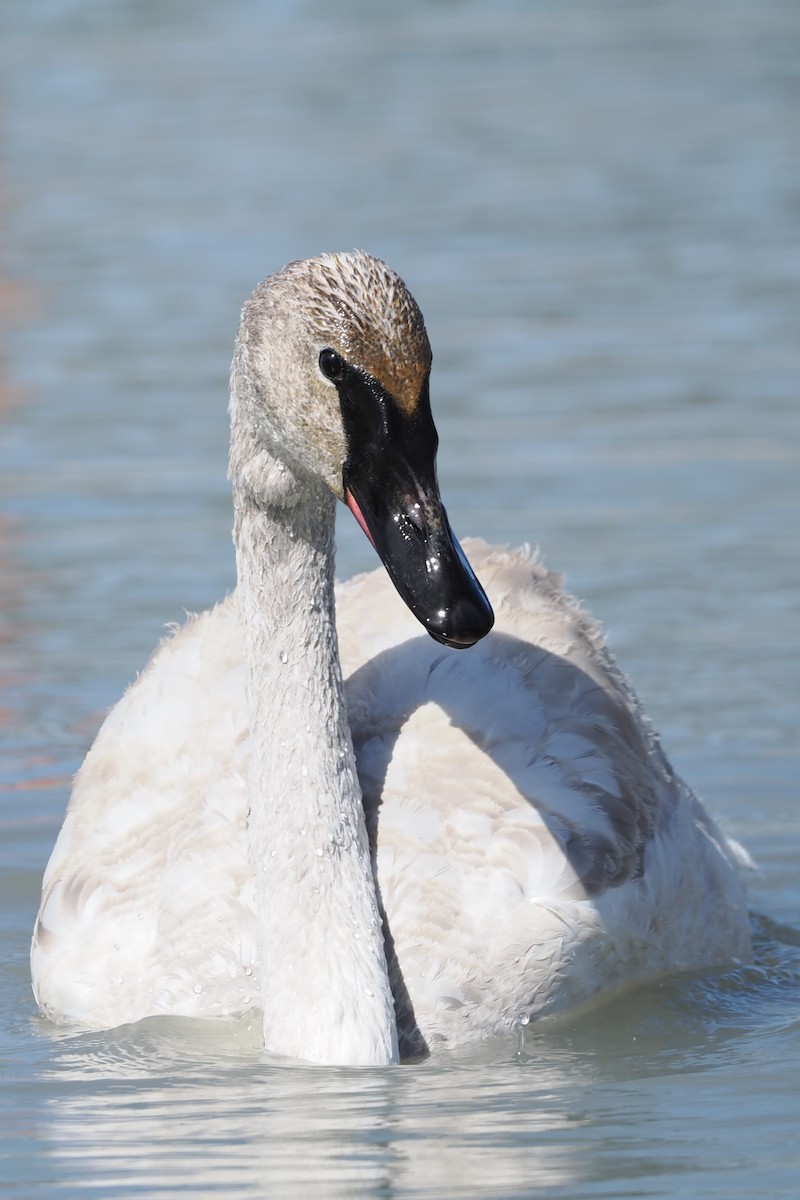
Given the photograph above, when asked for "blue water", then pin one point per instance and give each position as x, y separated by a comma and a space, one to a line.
596, 205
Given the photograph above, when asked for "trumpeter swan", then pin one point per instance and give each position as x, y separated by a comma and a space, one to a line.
441, 847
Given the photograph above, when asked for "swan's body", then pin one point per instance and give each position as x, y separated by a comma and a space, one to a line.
532, 847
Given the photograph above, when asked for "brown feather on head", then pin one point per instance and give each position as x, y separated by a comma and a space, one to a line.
361, 308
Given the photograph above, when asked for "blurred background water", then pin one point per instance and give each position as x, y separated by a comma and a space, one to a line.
597, 206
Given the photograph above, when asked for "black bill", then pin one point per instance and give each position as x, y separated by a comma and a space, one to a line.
390, 486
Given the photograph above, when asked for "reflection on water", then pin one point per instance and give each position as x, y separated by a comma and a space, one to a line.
596, 206
586, 1099
257, 1136
426, 1127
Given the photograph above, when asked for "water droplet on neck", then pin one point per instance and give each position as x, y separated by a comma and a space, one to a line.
284, 657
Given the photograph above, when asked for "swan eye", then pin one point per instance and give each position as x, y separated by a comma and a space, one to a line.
331, 365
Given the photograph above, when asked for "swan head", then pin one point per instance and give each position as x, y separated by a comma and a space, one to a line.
330, 384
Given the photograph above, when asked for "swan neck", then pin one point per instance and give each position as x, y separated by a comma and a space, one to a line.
325, 984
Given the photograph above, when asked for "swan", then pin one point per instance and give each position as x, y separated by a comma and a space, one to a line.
384, 841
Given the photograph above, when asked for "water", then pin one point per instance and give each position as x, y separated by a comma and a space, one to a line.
596, 205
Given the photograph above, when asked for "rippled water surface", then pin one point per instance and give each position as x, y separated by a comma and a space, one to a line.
598, 207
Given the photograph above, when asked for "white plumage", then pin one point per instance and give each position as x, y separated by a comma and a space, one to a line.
532, 847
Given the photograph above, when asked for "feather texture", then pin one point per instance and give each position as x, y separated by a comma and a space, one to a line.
533, 847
